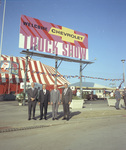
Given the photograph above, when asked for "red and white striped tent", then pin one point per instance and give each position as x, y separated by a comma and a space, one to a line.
37, 72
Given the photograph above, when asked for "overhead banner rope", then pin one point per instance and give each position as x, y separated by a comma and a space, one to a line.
70, 76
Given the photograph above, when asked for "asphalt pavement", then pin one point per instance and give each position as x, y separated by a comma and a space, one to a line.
97, 126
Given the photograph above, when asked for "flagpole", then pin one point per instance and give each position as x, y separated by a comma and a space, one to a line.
2, 31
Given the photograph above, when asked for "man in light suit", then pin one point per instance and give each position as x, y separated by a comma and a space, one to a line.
44, 99
55, 101
66, 100
32, 99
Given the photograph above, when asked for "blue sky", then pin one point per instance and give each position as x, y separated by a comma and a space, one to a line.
103, 20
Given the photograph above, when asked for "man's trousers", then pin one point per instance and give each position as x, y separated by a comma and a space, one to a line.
54, 110
31, 104
66, 110
117, 104
45, 106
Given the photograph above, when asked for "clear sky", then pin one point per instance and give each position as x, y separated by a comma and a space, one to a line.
103, 20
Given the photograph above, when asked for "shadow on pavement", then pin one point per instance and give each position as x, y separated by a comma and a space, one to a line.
74, 113
60, 115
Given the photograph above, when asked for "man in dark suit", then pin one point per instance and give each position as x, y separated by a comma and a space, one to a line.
44, 99
66, 101
32, 99
124, 97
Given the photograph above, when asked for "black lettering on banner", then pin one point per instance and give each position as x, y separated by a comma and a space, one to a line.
25, 23
53, 30
80, 38
72, 36
65, 33
61, 33
68, 34
34, 25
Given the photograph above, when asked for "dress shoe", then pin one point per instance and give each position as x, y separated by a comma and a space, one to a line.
53, 119
29, 118
67, 119
56, 118
34, 118
40, 119
64, 118
118, 109
45, 118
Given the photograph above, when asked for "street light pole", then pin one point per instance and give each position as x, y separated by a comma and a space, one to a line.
123, 61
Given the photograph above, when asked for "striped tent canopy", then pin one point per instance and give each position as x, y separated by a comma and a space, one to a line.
37, 72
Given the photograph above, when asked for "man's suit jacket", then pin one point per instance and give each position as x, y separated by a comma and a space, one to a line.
44, 98
117, 95
55, 96
32, 94
66, 98
124, 94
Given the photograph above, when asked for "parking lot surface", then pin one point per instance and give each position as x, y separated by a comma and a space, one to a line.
97, 126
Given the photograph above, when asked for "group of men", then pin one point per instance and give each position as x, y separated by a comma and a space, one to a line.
118, 98
45, 97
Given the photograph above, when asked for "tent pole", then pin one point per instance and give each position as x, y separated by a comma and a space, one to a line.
25, 77
16, 84
9, 86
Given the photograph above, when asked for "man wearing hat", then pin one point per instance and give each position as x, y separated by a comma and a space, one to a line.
124, 96
118, 98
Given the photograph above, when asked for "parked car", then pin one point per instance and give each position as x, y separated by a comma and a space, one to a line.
91, 97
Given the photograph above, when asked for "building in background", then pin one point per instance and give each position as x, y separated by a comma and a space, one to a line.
92, 88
